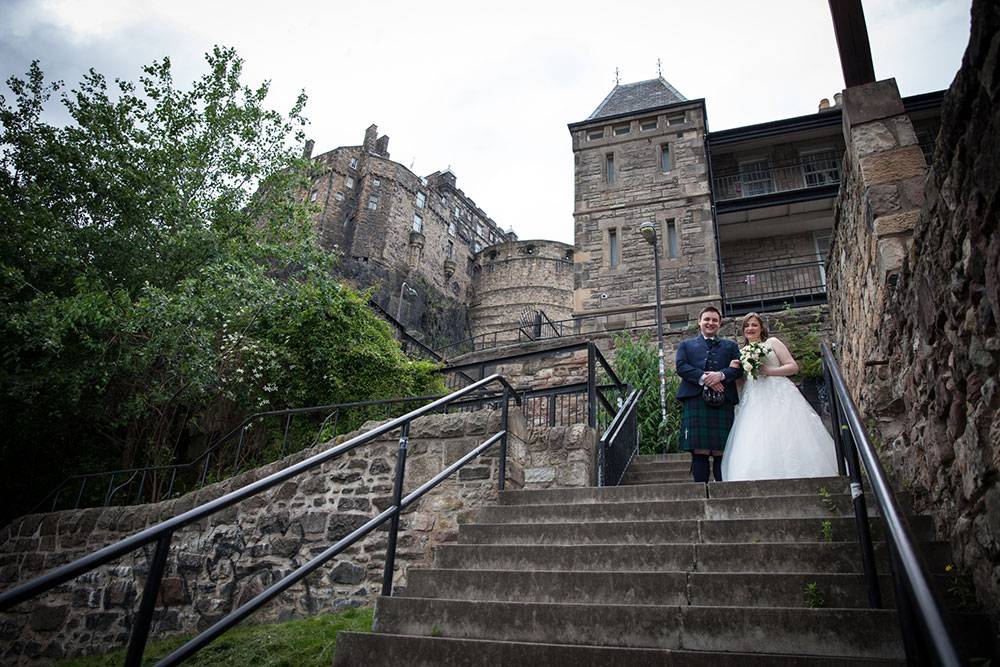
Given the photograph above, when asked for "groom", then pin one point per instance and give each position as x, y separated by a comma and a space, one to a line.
704, 361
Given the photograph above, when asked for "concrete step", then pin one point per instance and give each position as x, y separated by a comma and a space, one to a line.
761, 507
607, 494
355, 649
662, 458
655, 476
794, 557
862, 633
705, 589
660, 466
694, 531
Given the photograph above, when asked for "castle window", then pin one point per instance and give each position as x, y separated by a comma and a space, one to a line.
609, 168
647, 125
672, 240
458, 212
451, 249
354, 163
418, 223
373, 202
594, 135
477, 246
614, 252
339, 196
451, 228
349, 182
376, 182
421, 199
312, 197
665, 162
622, 129
676, 119
444, 201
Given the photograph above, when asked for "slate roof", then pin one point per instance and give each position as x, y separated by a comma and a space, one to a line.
634, 97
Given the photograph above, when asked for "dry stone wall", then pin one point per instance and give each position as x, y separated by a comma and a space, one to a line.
225, 560
929, 331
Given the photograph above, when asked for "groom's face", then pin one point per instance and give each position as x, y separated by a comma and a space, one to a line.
710, 323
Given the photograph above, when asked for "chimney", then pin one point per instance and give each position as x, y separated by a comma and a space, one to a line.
370, 135
307, 152
382, 146
824, 104
838, 99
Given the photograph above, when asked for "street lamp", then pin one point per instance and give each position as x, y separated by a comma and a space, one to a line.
650, 231
403, 289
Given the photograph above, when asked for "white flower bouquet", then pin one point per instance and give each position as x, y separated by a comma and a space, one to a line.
752, 357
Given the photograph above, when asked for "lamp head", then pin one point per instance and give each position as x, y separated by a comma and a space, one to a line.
648, 231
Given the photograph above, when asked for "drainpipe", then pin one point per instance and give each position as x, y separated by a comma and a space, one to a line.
711, 202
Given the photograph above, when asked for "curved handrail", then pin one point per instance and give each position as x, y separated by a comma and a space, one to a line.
898, 533
72, 570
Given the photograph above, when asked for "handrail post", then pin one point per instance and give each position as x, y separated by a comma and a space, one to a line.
861, 520
838, 425
397, 498
505, 423
908, 625
143, 620
591, 386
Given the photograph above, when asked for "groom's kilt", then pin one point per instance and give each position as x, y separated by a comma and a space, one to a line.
705, 427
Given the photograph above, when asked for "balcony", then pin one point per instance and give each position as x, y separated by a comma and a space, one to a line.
758, 178
797, 281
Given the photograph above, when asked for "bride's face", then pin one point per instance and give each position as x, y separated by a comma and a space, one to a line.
751, 330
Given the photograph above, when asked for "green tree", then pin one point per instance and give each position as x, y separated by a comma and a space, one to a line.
160, 275
637, 363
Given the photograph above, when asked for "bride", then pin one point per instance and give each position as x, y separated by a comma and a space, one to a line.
776, 434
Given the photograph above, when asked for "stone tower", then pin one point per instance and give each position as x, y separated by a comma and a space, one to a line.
641, 156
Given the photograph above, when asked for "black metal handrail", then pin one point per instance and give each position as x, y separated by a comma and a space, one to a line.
407, 338
162, 532
203, 461
921, 622
619, 443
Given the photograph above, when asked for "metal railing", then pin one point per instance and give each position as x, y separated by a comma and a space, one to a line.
638, 318
410, 345
578, 400
920, 619
759, 286
619, 443
783, 178
161, 533
227, 456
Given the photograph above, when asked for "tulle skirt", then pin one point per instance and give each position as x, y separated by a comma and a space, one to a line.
777, 435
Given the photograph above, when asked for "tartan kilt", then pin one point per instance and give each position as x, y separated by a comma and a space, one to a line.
705, 427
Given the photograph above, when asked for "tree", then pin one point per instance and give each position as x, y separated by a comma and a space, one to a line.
637, 363
160, 276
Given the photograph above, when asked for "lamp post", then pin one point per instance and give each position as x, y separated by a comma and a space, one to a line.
650, 232
403, 289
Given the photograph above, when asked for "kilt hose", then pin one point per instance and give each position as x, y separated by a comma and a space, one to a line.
705, 427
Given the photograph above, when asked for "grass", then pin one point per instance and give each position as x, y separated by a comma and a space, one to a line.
307, 643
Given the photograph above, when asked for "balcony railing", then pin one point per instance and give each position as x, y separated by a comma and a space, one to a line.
765, 179
799, 281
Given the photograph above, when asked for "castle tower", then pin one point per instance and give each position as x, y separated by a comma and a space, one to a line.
641, 156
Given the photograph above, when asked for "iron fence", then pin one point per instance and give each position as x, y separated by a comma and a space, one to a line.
762, 178
797, 281
619, 443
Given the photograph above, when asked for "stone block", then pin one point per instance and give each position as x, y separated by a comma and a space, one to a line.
893, 166
347, 573
47, 618
539, 475
871, 101
896, 223
873, 137
891, 252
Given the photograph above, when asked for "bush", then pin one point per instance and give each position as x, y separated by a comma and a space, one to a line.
636, 362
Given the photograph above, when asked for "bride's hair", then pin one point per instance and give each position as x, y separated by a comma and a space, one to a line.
763, 326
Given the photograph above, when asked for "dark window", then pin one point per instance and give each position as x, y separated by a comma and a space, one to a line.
672, 240
609, 168
614, 256
665, 162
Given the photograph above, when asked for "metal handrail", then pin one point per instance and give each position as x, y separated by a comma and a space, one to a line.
162, 532
913, 592
626, 414
204, 458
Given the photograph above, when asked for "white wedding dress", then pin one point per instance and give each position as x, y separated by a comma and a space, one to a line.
776, 434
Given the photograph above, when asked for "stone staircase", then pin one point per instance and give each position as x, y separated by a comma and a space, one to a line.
657, 571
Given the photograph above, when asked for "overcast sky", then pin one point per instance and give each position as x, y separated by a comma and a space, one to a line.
488, 88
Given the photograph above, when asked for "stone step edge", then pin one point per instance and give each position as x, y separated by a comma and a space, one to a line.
724, 658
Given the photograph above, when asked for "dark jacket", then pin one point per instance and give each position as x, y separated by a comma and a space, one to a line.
694, 358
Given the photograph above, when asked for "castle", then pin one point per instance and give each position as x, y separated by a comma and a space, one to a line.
744, 216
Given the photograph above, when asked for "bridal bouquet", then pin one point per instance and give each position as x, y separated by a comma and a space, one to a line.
752, 357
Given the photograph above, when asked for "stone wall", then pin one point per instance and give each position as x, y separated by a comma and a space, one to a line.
929, 329
521, 277
640, 191
225, 560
